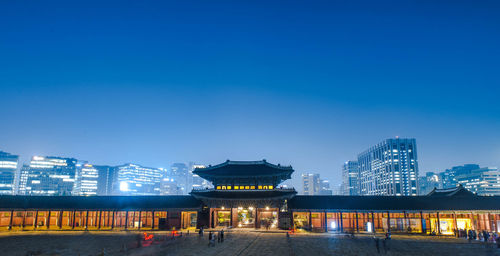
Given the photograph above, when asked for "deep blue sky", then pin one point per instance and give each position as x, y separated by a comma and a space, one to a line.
308, 83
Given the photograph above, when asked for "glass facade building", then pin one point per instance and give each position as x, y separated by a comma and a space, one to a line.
483, 181
350, 174
87, 179
180, 175
389, 168
48, 176
311, 184
133, 179
8, 168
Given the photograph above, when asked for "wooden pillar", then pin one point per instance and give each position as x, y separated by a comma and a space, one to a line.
388, 221
257, 218
373, 222
231, 216
87, 220
73, 220
326, 221
341, 222
210, 218
11, 218
100, 219
422, 222
133, 219
455, 223
48, 220
126, 220
439, 224
357, 224
112, 220
310, 220
153, 217
24, 220
405, 224
60, 219
35, 222
140, 217
293, 222
95, 219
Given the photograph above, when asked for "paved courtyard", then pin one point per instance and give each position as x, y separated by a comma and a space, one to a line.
236, 243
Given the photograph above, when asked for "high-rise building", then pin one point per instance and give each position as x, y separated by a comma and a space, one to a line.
482, 181
180, 175
310, 184
48, 176
324, 187
107, 180
8, 168
169, 187
389, 168
448, 176
350, 173
133, 179
86, 180
196, 181
428, 182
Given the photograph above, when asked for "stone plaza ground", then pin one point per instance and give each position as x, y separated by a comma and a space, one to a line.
242, 242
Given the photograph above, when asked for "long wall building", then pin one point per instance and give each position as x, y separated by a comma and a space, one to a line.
247, 194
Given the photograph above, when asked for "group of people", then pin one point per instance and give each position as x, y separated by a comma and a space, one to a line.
385, 242
483, 236
213, 236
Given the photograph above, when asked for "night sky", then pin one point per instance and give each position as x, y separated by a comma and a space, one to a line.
310, 84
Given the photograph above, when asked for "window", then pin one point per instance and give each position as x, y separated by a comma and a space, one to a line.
224, 187
270, 187
265, 187
228, 187
247, 187
252, 187
259, 187
235, 187
218, 187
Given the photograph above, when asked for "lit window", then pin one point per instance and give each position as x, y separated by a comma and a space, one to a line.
224, 187
235, 187
252, 187
228, 187
260, 187
270, 187
218, 187
247, 187
265, 187
242, 187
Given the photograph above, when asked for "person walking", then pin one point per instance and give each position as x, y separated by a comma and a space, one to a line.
210, 235
218, 238
377, 244
222, 236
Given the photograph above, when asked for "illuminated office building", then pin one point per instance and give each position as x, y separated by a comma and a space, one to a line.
389, 168
8, 167
180, 175
106, 180
133, 179
350, 178
483, 181
87, 179
48, 176
196, 181
311, 184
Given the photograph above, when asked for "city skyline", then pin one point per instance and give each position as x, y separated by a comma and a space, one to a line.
303, 84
